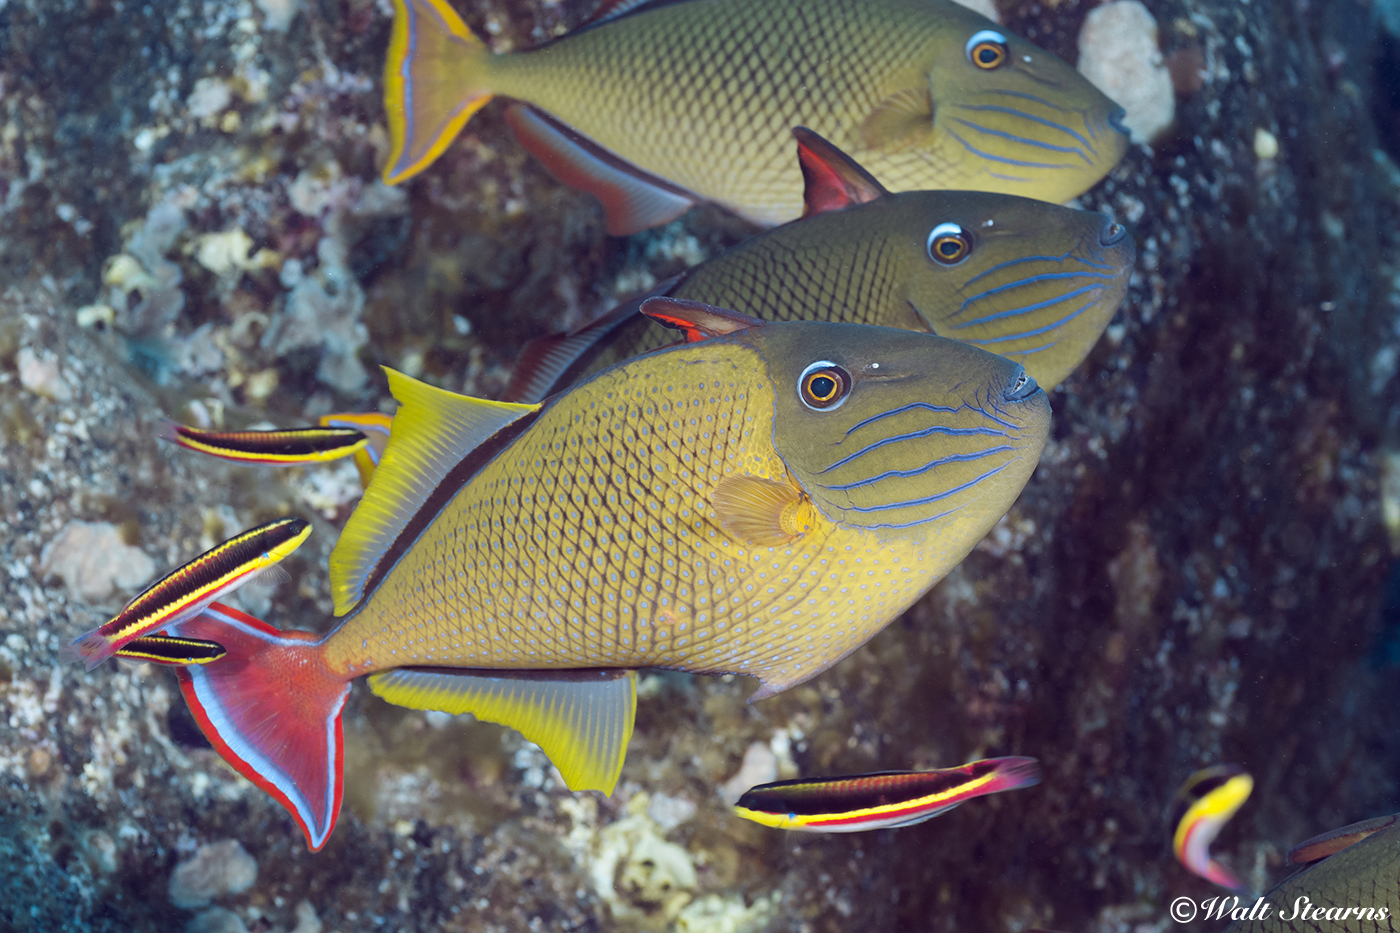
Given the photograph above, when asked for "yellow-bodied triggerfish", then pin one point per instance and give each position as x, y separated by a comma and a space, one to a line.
1031, 281
655, 106
760, 500
188, 589
1203, 805
1351, 883
857, 802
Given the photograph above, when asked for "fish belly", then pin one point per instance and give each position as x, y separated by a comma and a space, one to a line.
590, 542
705, 94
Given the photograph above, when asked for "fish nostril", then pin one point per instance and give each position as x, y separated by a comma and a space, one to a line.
1022, 387
1115, 120
1111, 233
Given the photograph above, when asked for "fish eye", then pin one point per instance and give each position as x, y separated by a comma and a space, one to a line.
987, 49
949, 244
823, 386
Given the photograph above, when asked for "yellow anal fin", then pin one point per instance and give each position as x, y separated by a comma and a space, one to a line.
902, 119
761, 511
582, 720
433, 431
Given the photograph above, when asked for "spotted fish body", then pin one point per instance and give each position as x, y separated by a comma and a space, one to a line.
761, 501
1038, 283
700, 98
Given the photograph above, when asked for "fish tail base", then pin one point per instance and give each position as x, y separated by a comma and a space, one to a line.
92, 648
271, 707
434, 81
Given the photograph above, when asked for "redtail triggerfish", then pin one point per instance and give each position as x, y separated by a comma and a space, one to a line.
1204, 803
188, 589
855, 803
1353, 886
760, 500
1031, 281
655, 106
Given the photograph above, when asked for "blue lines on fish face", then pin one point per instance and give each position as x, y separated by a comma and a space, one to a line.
912, 406
1022, 335
1077, 111
1002, 159
915, 435
918, 521
931, 465
1023, 140
925, 500
1032, 118
1055, 259
1027, 309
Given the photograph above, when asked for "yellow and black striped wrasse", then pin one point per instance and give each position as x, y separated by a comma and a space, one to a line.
188, 589
171, 650
859, 802
1204, 803
658, 106
760, 500
1351, 883
362, 436
1031, 281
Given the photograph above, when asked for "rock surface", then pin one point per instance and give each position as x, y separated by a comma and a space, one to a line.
1196, 573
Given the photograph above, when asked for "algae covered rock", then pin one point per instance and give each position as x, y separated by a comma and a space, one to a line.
191, 225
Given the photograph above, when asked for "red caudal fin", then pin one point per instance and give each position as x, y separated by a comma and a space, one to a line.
271, 708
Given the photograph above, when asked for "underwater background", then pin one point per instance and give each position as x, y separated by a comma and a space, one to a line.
1202, 569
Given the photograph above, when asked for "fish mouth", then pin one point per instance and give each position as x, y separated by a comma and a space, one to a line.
1115, 120
1021, 387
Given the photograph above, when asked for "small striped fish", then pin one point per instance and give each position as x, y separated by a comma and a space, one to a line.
1203, 805
187, 590
859, 802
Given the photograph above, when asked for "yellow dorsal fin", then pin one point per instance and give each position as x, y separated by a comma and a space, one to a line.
582, 720
902, 119
432, 432
761, 511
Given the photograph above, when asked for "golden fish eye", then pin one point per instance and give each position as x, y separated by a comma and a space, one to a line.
987, 50
949, 244
823, 385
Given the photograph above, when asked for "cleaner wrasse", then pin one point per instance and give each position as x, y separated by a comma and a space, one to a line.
188, 589
859, 802
759, 500
1203, 805
362, 436
657, 106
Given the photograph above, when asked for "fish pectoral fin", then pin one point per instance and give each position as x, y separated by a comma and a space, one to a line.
633, 199
1320, 847
433, 431
697, 320
831, 179
551, 364
582, 720
905, 118
762, 511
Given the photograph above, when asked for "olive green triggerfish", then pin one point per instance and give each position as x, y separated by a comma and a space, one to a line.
653, 107
1357, 888
1031, 281
760, 500
858, 802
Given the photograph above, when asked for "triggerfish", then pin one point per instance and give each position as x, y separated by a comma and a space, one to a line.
188, 589
1031, 281
655, 106
1204, 803
1356, 887
760, 500
855, 803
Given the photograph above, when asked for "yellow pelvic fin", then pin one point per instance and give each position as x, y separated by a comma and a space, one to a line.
761, 511
581, 719
434, 80
905, 118
432, 432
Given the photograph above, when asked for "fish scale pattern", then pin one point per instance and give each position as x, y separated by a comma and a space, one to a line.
590, 542
706, 94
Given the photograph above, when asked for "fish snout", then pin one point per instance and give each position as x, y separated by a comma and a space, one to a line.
1111, 233
1115, 120
1021, 387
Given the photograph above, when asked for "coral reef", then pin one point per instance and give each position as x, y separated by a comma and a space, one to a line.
190, 226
